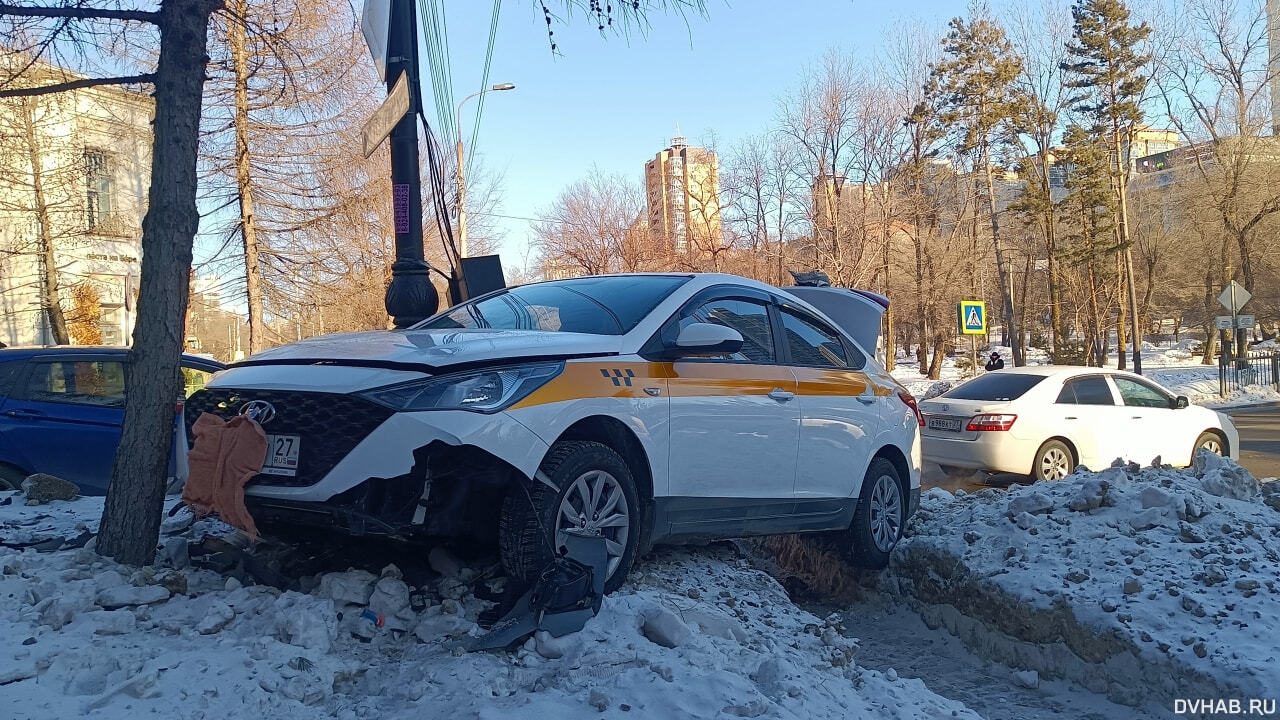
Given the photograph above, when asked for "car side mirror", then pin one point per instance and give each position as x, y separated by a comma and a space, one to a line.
700, 339
1181, 402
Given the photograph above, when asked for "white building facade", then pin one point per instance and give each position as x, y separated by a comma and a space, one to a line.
74, 173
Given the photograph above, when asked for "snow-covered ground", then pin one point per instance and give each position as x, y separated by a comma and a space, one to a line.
694, 634
1144, 584
1173, 365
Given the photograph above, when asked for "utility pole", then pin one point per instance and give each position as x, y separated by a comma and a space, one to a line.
462, 183
410, 297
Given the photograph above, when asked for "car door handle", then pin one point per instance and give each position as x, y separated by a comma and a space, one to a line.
867, 397
781, 395
1071, 417
24, 414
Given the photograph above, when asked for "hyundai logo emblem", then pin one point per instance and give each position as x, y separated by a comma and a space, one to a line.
259, 411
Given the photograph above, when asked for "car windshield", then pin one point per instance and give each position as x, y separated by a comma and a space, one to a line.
995, 386
595, 305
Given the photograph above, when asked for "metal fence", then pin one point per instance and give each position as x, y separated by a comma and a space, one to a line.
1260, 367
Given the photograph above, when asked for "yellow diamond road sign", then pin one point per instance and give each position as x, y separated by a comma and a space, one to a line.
972, 315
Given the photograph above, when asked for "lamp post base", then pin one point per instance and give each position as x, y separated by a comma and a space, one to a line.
411, 297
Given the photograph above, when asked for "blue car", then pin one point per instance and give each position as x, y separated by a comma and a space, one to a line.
61, 409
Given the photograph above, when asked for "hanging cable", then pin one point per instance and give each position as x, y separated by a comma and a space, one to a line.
484, 81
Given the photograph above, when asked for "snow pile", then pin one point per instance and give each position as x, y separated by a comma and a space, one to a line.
694, 634
1148, 583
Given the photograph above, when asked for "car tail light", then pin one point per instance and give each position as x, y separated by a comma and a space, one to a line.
178, 406
990, 422
910, 401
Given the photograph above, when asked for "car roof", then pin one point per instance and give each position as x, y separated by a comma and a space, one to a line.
1063, 371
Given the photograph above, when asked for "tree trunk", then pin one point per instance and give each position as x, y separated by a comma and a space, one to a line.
1121, 362
935, 364
1051, 250
1122, 232
1097, 346
131, 518
890, 347
244, 178
50, 293
1006, 291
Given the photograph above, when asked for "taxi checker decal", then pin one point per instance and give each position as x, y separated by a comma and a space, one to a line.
619, 376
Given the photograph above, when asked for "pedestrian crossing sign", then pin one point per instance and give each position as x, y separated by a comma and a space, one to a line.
973, 317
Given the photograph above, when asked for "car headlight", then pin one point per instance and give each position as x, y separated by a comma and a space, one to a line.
483, 391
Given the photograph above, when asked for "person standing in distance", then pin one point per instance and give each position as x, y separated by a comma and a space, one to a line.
995, 362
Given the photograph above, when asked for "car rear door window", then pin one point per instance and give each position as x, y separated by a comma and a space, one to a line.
1092, 390
1136, 393
749, 318
1001, 387
811, 344
97, 382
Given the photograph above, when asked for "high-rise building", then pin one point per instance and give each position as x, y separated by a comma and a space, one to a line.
682, 187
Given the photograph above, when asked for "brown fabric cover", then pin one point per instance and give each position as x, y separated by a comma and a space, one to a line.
226, 455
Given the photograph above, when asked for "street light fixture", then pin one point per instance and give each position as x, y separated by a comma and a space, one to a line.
462, 185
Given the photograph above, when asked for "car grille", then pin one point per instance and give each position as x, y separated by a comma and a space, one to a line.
329, 425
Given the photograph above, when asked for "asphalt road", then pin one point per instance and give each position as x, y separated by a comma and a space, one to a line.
1259, 438
1259, 428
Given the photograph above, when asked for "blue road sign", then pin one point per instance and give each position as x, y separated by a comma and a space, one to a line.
972, 315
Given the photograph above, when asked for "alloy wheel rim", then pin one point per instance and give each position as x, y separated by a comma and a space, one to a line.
1212, 446
1054, 465
886, 512
596, 504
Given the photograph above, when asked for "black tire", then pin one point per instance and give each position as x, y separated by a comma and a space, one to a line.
1210, 441
1054, 461
11, 477
879, 519
529, 519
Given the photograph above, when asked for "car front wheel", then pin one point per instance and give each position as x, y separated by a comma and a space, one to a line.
879, 519
594, 492
1208, 441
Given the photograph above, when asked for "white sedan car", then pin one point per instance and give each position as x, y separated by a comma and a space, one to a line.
645, 408
1045, 420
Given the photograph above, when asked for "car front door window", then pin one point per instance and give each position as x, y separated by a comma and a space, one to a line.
750, 319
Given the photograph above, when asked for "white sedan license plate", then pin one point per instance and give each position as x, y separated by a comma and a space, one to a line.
948, 424
282, 455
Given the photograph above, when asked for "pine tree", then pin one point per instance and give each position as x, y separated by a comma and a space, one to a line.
1089, 212
1105, 63
975, 86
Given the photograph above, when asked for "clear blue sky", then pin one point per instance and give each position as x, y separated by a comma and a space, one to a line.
613, 103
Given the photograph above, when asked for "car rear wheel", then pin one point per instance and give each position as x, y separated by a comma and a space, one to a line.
879, 518
594, 491
1210, 441
1054, 461
11, 477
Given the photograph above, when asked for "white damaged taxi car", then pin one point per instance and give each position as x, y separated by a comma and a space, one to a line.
645, 408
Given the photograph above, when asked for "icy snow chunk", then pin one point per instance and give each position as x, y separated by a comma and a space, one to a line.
389, 597
1156, 497
1222, 477
661, 626
1147, 519
352, 587
216, 617
1027, 678
126, 595
716, 625
305, 621
1025, 520
111, 622
1030, 502
554, 648
1091, 495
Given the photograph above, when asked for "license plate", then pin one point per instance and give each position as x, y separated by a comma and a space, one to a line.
948, 424
282, 455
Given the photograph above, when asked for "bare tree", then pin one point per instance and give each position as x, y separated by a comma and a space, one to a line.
597, 226
131, 518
